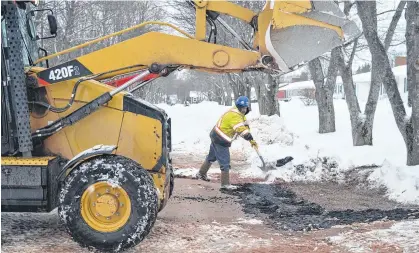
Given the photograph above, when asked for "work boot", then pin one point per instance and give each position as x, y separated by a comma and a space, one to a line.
202, 174
225, 181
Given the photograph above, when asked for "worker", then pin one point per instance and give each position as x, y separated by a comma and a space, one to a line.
231, 125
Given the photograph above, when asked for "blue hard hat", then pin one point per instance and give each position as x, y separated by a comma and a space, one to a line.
242, 101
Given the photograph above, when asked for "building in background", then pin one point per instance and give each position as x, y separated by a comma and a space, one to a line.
400, 61
196, 97
362, 84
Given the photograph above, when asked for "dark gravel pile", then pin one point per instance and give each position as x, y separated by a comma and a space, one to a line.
281, 208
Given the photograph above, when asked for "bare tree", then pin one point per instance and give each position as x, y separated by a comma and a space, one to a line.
411, 20
362, 123
324, 91
412, 44
82, 21
408, 126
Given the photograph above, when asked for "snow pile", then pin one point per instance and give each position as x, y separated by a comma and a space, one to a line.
271, 130
402, 182
320, 169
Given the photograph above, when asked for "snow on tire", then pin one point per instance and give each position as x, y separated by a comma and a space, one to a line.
120, 172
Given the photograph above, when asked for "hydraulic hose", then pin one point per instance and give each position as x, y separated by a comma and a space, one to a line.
87, 109
70, 103
73, 94
213, 31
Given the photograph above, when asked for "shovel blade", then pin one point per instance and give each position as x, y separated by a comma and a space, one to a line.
263, 168
300, 31
283, 161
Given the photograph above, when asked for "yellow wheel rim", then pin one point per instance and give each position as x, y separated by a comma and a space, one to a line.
104, 207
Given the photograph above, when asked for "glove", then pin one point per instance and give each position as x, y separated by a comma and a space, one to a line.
254, 144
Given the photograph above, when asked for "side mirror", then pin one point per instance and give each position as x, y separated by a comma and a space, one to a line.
52, 22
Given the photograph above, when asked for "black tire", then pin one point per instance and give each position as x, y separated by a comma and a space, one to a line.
135, 180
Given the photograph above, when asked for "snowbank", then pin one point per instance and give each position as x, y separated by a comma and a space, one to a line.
318, 156
402, 182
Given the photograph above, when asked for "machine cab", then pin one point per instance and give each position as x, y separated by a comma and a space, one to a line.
20, 45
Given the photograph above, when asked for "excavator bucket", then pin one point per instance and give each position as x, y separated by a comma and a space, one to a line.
300, 31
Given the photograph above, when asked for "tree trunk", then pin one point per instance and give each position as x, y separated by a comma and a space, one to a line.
412, 44
371, 105
324, 94
361, 129
268, 105
410, 48
272, 105
261, 93
408, 126
262, 99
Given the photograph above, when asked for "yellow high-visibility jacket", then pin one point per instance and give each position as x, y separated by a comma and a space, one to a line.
232, 124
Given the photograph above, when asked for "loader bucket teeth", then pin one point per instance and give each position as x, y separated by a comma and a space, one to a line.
300, 31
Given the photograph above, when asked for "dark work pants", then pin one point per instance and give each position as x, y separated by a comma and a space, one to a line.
221, 154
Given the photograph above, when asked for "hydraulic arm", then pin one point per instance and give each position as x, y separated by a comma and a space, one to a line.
287, 34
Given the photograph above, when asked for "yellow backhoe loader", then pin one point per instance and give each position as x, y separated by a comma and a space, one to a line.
97, 153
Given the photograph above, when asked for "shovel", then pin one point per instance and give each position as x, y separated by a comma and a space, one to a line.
279, 163
263, 168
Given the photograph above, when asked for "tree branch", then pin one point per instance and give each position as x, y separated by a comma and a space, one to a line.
347, 7
393, 24
348, 85
397, 44
384, 12
351, 58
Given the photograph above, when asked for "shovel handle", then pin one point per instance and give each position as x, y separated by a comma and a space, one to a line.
257, 151
260, 156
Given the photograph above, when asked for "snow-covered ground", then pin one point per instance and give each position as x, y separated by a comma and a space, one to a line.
399, 236
295, 134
